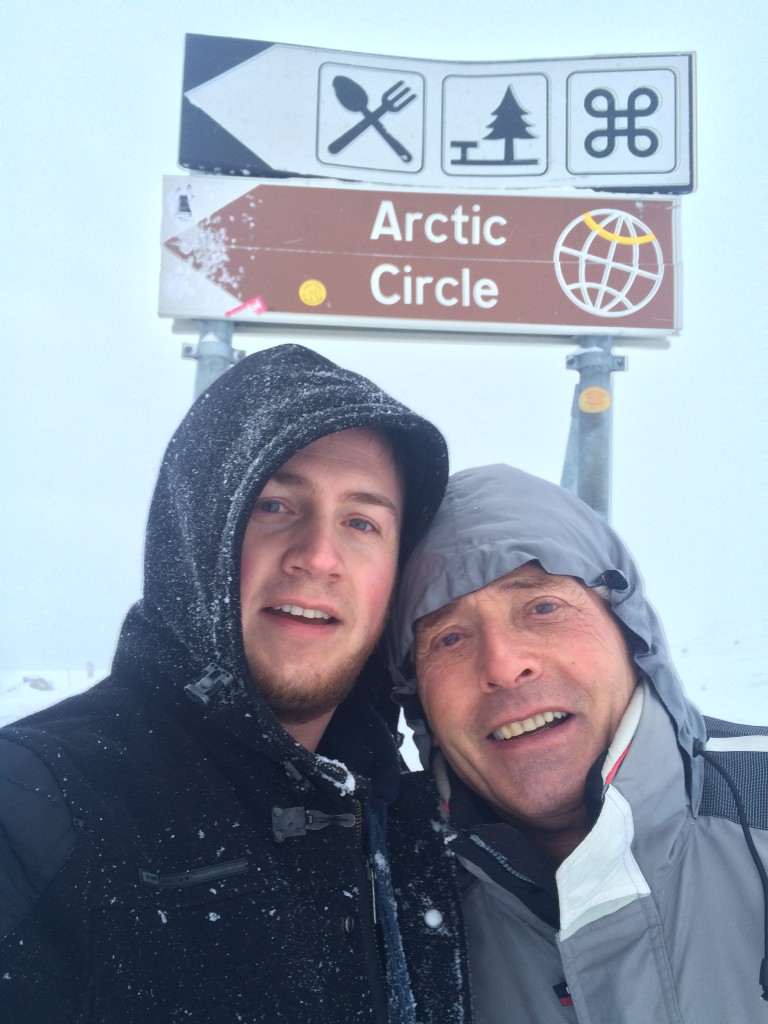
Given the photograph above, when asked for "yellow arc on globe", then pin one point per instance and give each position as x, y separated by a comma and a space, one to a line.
612, 237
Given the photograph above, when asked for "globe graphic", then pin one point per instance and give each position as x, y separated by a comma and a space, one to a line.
608, 263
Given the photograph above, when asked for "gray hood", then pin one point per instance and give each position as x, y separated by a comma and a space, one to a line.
494, 519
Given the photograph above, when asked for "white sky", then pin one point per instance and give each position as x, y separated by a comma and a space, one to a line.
90, 95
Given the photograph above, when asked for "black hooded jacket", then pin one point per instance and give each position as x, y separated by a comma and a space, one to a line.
168, 852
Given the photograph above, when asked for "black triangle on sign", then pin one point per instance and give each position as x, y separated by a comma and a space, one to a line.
205, 57
203, 144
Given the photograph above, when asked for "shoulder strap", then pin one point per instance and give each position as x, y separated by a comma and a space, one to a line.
742, 750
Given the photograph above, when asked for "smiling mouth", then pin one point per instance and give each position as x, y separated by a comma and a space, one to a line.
543, 720
295, 611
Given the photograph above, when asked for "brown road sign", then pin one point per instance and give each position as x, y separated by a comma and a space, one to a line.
432, 260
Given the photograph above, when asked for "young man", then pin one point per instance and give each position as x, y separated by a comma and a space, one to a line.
606, 873
211, 834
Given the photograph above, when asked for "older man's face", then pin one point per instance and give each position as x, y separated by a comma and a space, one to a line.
524, 684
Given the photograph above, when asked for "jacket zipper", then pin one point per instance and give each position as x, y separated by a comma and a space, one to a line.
369, 922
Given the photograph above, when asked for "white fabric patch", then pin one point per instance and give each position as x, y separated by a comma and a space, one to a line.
734, 743
601, 875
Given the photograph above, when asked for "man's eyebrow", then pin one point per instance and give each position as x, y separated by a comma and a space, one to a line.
282, 476
371, 498
435, 619
532, 580
288, 479
530, 584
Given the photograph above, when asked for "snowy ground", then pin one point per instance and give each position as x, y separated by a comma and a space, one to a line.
23, 693
724, 668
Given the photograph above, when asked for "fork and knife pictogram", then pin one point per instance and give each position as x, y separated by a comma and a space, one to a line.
354, 98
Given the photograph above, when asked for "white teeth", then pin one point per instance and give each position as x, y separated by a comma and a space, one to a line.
307, 613
512, 729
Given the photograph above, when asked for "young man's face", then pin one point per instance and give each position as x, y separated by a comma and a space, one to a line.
524, 684
318, 565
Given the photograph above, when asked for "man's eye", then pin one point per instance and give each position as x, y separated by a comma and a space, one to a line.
544, 607
362, 525
270, 505
449, 639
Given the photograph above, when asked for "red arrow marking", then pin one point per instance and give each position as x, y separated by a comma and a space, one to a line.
256, 305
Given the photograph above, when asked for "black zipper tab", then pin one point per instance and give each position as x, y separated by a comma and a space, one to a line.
288, 822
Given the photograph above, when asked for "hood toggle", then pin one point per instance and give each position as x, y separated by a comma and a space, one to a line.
213, 679
613, 579
288, 822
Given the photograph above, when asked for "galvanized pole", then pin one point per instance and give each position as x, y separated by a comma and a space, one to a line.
587, 464
213, 352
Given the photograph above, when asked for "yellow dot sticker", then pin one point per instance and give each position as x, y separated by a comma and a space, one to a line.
312, 293
594, 400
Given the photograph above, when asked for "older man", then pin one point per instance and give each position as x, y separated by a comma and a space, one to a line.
218, 831
611, 874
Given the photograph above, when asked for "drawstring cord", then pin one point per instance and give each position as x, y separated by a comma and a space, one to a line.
700, 751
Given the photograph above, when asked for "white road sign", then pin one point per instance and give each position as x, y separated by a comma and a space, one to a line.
617, 122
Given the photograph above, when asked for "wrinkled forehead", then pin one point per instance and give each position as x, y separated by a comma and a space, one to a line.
529, 578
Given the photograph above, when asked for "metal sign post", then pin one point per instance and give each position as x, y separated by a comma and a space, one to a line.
213, 352
587, 464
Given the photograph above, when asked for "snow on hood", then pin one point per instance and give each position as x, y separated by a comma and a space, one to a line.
494, 519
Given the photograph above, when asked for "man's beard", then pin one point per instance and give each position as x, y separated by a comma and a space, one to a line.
314, 693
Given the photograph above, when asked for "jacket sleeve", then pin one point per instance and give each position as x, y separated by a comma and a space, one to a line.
36, 832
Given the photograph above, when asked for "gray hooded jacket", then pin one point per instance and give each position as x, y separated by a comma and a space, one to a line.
659, 913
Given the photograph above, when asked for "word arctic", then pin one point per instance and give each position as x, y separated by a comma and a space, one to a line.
479, 230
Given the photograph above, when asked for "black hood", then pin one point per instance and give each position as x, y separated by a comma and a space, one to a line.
234, 437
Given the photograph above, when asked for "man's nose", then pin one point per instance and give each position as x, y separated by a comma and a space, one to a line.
507, 658
314, 549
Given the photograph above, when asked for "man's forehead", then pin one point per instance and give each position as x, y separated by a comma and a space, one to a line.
360, 444
372, 437
531, 575
527, 577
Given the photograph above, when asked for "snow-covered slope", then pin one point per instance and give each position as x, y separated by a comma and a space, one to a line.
23, 693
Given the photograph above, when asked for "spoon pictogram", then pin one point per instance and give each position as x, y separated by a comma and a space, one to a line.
353, 97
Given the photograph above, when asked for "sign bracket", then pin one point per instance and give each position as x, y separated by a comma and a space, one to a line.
213, 352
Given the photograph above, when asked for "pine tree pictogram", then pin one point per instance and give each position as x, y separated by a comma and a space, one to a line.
509, 124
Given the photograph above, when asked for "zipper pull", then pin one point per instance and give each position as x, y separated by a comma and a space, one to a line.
372, 881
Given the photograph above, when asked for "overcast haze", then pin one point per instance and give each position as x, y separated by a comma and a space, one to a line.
95, 384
